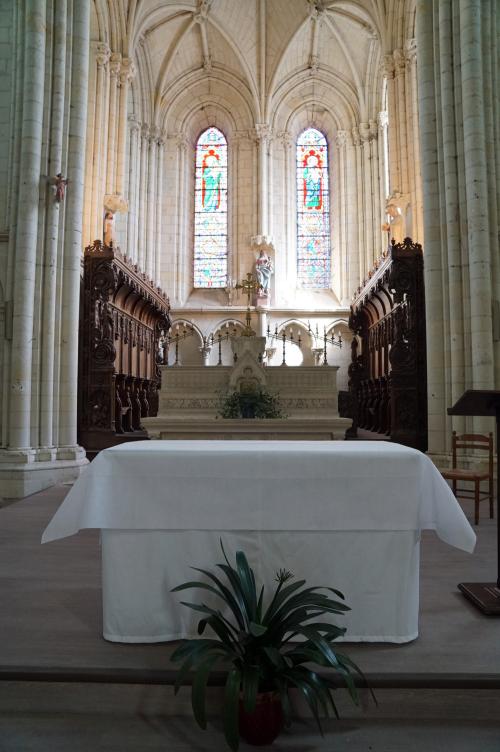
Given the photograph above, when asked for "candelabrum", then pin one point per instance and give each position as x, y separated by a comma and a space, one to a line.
296, 339
171, 339
219, 338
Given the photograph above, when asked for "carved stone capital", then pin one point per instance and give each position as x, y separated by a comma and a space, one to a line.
313, 63
383, 119
202, 10
356, 138
115, 64
262, 133
316, 9
364, 132
134, 124
341, 139
114, 202
145, 131
387, 66
207, 63
127, 70
182, 142
154, 133
411, 52
262, 243
399, 61
285, 138
102, 55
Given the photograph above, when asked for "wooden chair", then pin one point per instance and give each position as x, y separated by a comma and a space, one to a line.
472, 441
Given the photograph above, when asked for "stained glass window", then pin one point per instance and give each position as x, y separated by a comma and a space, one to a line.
313, 210
210, 210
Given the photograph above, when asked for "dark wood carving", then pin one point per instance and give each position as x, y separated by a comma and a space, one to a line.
123, 316
388, 371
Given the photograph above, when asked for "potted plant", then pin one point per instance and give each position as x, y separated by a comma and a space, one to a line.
250, 403
255, 638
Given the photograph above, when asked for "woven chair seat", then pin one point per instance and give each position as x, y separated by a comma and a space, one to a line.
465, 474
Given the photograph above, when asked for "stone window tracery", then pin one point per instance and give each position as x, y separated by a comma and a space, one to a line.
313, 211
210, 210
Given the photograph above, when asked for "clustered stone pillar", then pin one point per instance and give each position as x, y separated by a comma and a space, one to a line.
133, 189
458, 62
39, 444
159, 206
107, 141
399, 68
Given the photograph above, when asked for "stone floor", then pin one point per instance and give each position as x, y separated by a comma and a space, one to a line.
50, 622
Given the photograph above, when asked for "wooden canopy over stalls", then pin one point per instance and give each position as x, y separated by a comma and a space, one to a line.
387, 374
123, 315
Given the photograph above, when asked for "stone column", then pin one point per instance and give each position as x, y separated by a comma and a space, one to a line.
358, 152
459, 153
97, 206
27, 227
263, 137
342, 231
134, 168
127, 72
387, 70
159, 206
352, 210
383, 170
415, 186
183, 268
113, 116
141, 249
401, 119
205, 351
73, 236
52, 228
366, 136
151, 204
286, 263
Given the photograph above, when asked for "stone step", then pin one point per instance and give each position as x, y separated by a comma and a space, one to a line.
151, 699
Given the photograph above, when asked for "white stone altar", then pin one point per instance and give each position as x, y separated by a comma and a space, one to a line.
190, 398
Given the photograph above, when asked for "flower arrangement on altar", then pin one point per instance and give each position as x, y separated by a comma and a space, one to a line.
250, 403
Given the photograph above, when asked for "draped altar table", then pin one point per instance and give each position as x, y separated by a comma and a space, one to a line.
340, 514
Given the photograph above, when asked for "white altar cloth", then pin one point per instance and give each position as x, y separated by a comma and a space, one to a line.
345, 514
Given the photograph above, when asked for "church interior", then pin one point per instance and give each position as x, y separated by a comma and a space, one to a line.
264, 233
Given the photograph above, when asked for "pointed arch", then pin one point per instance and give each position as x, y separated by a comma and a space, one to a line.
313, 211
210, 210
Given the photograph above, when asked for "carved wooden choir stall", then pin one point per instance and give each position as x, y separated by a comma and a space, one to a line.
123, 315
387, 374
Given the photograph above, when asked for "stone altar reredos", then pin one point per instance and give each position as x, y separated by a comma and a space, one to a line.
189, 399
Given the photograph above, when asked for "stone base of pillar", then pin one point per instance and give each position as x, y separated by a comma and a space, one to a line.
26, 471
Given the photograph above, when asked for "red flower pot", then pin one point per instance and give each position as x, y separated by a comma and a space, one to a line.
265, 723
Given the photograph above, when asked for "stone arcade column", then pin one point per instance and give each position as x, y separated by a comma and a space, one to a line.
48, 329
25, 249
142, 205
151, 205
460, 147
134, 167
39, 444
96, 217
160, 146
73, 237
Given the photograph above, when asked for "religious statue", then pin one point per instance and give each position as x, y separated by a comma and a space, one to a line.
263, 271
312, 181
210, 182
396, 209
109, 229
60, 184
